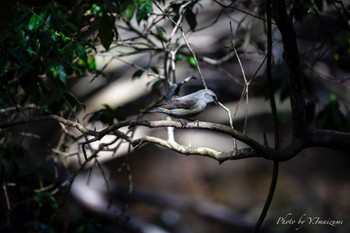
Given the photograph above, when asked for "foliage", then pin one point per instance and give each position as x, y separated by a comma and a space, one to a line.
38, 50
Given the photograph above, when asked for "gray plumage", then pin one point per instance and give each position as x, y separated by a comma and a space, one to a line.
188, 105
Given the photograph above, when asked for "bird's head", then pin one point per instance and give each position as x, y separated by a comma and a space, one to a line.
210, 96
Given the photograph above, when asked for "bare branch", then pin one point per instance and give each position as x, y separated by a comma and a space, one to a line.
203, 151
326, 138
81, 128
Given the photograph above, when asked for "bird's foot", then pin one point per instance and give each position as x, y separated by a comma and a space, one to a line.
183, 123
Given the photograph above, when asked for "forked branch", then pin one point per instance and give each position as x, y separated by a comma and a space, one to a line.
316, 138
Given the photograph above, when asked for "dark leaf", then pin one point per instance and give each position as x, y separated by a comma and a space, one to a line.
191, 19
107, 115
144, 10
332, 117
155, 83
13, 156
53, 101
180, 57
3, 62
284, 94
107, 30
160, 33
81, 52
137, 74
154, 69
72, 101
19, 58
310, 111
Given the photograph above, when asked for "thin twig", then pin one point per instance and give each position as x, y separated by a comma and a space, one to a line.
6, 194
179, 21
231, 124
244, 91
195, 59
269, 198
269, 85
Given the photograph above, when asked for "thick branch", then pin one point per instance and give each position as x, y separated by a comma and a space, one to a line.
329, 138
203, 151
317, 138
291, 56
202, 125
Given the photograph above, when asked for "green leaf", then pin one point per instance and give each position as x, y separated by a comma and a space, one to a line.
45, 197
333, 97
144, 10
81, 52
96, 10
160, 33
336, 57
91, 63
52, 200
107, 30
59, 72
191, 19
62, 75
34, 22
179, 57
47, 23
129, 12
192, 61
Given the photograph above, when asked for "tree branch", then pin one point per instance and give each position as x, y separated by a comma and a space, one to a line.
78, 126
276, 124
203, 151
329, 138
291, 56
317, 138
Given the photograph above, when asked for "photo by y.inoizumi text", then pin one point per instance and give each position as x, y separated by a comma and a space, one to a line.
301, 220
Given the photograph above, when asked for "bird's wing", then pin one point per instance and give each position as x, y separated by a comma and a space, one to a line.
179, 104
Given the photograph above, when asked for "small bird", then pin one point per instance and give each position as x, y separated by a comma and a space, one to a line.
187, 106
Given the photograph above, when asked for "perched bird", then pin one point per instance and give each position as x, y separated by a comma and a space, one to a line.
188, 105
